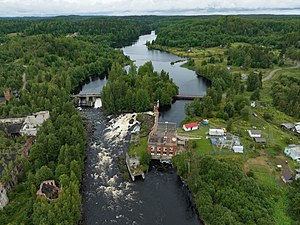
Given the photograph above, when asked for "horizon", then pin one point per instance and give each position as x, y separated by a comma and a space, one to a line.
50, 8
158, 15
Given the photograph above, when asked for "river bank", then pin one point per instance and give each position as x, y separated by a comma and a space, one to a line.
107, 198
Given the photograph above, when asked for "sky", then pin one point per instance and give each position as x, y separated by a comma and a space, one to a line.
146, 7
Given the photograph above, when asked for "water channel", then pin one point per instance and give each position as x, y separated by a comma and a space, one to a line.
161, 199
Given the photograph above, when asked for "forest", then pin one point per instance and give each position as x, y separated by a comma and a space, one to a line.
286, 95
137, 90
46, 59
53, 65
225, 194
279, 32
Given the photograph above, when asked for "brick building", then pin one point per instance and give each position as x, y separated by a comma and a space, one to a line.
162, 140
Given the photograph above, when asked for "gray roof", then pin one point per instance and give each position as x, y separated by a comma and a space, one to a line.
288, 125
287, 175
166, 128
255, 131
260, 140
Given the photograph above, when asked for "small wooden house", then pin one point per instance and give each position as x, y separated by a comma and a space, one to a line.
190, 126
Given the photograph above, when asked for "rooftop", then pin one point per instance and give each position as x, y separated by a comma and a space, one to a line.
260, 140
190, 125
287, 125
255, 131
169, 140
294, 148
287, 175
166, 129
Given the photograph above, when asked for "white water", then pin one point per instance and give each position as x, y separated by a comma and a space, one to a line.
98, 103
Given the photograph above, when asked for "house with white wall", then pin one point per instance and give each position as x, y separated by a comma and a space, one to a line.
190, 126
32, 123
293, 151
3, 197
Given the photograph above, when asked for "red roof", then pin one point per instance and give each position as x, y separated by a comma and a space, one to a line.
191, 125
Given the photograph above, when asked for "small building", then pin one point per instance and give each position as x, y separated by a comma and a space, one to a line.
3, 197
216, 132
260, 140
205, 122
297, 128
287, 126
190, 126
287, 177
32, 123
293, 151
255, 133
238, 149
48, 190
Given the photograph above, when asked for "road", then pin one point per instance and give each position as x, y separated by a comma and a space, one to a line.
270, 75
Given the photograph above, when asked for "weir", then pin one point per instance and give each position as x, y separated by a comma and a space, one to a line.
187, 97
85, 99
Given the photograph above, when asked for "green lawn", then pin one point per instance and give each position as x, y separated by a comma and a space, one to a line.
201, 147
139, 149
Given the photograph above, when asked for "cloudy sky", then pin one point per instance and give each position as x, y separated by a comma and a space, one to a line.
141, 7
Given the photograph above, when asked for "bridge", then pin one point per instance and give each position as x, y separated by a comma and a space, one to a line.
85, 99
187, 97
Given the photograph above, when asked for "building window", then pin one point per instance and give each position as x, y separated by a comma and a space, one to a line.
171, 151
165, 151
152, 150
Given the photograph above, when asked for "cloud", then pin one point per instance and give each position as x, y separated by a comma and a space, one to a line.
131, 7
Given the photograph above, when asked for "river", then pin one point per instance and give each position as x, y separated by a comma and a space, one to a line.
161, 199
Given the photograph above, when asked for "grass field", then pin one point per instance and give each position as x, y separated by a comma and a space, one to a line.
260, 159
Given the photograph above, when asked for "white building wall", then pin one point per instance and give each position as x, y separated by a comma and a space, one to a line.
3, 198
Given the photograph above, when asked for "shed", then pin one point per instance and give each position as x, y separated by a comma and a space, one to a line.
216, 132
260, 140
287, 126
238, 149
254, 133
287, 177
190, 126
205, 122
293, 151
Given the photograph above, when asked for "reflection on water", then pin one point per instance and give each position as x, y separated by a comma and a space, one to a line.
161, 199
185, 79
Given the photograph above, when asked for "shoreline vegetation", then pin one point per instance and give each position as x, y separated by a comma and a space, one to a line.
233, 52
239, 71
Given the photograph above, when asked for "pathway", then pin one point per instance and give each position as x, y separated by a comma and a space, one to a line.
270, 75
24, 81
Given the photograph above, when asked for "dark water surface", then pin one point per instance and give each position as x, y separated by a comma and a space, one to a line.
161, 199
